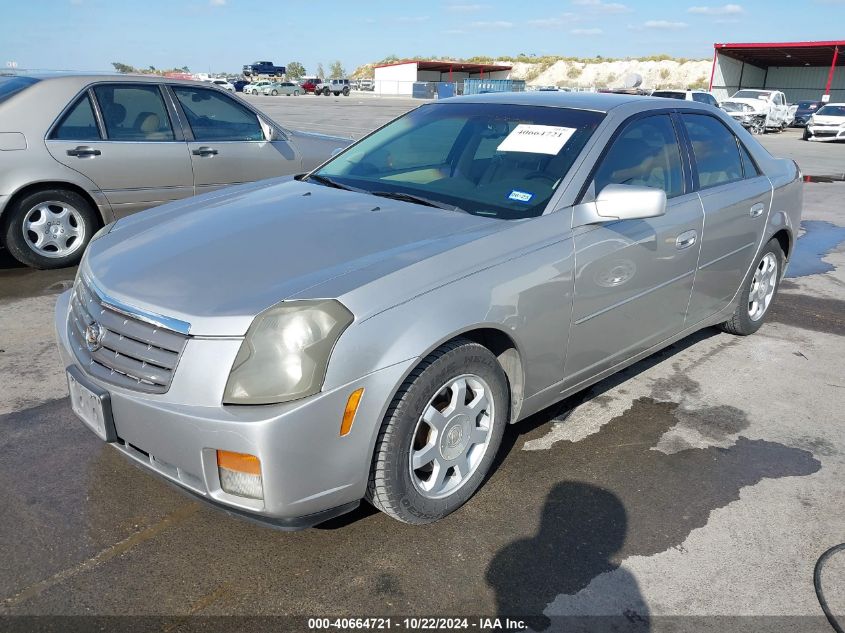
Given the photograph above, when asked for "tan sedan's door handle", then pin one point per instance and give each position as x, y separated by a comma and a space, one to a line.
757, 210
204, 151
686, 239
83, 151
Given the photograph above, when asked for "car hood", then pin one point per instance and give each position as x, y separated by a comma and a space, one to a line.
828, 120
219, 260
758, 104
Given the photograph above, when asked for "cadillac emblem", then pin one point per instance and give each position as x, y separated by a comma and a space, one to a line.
94, 334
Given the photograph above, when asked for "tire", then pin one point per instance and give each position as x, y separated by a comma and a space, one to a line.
296, 93
743, 322
326, 92
346, 91
806, 135
275, 93
68, 211
396, 489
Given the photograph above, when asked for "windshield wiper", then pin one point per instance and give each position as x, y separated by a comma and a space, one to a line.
409, 197
328, 182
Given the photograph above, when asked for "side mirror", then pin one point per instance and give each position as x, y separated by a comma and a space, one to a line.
271, 132
621, 202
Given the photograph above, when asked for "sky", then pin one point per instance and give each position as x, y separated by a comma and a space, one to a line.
223, 35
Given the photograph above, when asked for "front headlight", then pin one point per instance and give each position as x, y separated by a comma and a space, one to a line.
285, 353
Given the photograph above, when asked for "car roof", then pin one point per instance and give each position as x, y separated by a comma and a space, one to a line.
596, 101
83, 79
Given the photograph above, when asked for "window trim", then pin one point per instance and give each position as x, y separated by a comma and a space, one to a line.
84, 93
188, 130
680, 139
693, 161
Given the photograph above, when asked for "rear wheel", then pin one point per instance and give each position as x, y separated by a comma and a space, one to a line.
326, 92
275, 93
296, 93
346, 91
440, 435
50, 228
758, 293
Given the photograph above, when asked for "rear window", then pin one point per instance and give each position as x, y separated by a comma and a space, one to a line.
670, 94
10, 86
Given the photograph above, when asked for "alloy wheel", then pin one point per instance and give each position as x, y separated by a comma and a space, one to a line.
762, 287
54, 229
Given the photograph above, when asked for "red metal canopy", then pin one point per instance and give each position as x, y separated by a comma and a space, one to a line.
765, 54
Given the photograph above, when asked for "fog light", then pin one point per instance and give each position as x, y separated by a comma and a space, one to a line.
240, 474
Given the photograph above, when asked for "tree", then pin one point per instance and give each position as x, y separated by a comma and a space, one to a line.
185, 69
320, 72
295, 70
123, 68
337, 70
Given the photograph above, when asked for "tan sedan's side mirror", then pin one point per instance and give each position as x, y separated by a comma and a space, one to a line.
621, 202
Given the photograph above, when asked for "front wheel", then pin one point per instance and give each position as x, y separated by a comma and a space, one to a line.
346, 91
50, 228
296, 93
758, 293
806, 135
326, 92
275, 93
440, 434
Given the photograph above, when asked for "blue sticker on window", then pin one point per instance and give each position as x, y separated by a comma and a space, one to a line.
520, 196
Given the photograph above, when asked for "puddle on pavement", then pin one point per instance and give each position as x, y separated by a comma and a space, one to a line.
818, 240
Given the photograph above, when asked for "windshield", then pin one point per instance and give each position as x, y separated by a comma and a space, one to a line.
496, 160
731, 106
12, 85
751, 94
832, 110
807, 105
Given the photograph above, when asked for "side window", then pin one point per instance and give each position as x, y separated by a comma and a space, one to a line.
645, 154
715, 150
712, 100
748, 167
134, 113
700, 97
78, 124
217, 117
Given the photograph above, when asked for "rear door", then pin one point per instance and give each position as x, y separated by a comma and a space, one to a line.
227, 141
121, 136
633, 277
736, 198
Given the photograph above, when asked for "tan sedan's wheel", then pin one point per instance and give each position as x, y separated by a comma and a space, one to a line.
49, 229
759, 291
440, 435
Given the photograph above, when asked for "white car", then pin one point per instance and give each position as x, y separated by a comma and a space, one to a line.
827, 124
770, 103
257, 87
223, 83
702, 96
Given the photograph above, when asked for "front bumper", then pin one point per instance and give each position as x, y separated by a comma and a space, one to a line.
826, 132
309, 473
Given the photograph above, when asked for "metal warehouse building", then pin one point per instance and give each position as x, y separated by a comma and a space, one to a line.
802, 70
399, 78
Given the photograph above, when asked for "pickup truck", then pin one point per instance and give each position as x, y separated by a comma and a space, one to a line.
257, 69
759, 110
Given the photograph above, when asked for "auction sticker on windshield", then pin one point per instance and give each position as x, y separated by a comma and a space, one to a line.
536, 139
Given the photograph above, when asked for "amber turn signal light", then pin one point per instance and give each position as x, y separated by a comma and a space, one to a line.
349, 412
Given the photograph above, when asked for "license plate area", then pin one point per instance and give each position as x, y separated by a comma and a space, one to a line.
91, 405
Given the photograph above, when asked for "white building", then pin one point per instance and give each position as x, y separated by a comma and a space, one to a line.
399, 78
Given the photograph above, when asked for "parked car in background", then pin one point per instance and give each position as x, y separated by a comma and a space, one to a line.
368, 331
702, 96
223, 84
256, 87
367, 85
826, 124
803, 111
334, 87
80, 151
240, 84
309, 84
282, 88
769, 103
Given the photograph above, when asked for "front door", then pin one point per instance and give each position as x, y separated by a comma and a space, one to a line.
736, 198
633, 277
229, 145
135, 157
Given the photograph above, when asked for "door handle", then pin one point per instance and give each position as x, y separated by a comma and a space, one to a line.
757, 210
686, 239
83, 151
204, 151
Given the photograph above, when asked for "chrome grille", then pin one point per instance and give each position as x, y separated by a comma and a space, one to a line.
129, 351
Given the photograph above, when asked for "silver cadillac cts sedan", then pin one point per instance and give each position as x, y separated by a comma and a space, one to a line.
367, 330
